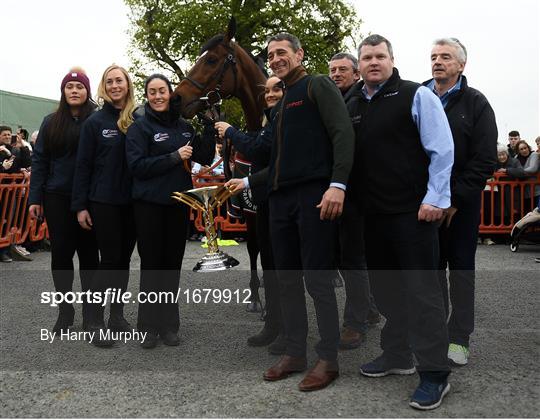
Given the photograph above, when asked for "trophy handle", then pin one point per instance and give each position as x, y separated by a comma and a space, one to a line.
190, 201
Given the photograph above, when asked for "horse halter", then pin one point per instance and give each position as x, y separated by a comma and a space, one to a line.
230, 61
212, 98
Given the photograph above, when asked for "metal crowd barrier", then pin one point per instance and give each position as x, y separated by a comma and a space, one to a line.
16, 226
223, 222
504, 202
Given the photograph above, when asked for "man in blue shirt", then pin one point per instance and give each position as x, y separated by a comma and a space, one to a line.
474, 131
403, 160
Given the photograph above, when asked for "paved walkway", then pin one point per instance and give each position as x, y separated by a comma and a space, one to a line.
213, 373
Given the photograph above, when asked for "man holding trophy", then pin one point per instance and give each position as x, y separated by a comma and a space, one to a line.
311, 157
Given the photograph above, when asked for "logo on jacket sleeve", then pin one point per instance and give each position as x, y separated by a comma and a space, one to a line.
161, 136
109, 133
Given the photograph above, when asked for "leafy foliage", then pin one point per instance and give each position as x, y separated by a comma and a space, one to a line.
167, 34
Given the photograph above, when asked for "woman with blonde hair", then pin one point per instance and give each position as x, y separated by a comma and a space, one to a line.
102, 192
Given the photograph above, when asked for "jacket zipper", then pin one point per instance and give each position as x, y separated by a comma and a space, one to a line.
279, 140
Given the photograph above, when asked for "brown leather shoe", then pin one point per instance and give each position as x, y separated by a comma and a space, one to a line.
350, 339
320, 376
373, 318
284, 367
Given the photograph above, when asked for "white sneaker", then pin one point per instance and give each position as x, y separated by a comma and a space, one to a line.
488, 241
458, 354
22, 249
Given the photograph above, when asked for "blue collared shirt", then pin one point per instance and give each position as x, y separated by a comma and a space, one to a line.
377, 88
436, 138
445, 97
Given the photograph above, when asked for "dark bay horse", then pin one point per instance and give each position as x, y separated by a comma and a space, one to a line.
226, 69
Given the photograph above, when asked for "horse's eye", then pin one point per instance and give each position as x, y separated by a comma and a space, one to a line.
211, 60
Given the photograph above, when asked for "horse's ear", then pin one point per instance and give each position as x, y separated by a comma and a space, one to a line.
231, 29
263, 55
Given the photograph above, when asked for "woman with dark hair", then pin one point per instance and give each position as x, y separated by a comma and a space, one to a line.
257, 150
102, 192
156, 146
53, 167
529, 166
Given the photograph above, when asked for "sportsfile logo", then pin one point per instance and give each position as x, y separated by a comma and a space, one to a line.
161, 136
109, 134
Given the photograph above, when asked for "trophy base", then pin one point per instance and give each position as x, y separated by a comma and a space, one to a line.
215, 262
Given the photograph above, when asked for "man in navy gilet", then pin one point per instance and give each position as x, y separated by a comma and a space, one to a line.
311, 157
403, 160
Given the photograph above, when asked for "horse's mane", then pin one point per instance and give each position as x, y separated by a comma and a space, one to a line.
218, 39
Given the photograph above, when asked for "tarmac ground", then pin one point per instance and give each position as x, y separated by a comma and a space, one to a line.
213, 373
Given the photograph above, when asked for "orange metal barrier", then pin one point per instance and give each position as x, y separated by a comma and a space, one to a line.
505, 201
16, 226
222, 220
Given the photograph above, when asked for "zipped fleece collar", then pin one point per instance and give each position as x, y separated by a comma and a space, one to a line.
294, 76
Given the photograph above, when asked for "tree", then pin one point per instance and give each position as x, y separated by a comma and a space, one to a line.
169, 33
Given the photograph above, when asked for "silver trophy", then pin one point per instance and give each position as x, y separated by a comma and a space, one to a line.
206, 199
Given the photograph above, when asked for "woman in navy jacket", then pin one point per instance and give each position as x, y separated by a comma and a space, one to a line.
156, 146
53, 166
102, 192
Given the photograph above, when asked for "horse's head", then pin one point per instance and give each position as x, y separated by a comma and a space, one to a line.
214, 72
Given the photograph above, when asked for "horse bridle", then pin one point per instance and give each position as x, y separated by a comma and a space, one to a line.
212, 105
230, 61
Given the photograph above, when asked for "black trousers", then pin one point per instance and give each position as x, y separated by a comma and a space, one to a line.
402, 255
67, 237
161, 241
303, 252
115, 233
457, 253
359, 302
271, 286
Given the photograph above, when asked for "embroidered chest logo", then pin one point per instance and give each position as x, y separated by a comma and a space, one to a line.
294, 104
161, 136
187, 134
109, 133
390, 94
356, 119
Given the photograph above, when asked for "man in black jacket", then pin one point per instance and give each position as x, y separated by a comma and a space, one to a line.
360, 310
474, 130
513, 139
